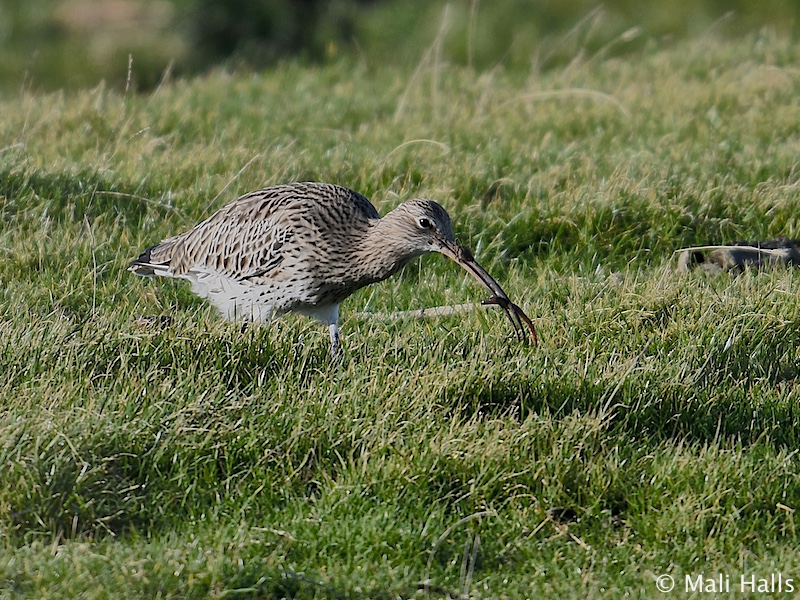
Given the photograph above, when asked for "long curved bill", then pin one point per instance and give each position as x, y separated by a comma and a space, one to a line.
519, 320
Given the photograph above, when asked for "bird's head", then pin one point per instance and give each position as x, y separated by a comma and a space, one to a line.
424, 226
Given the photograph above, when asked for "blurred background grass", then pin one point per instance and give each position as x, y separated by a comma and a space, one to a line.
54, 44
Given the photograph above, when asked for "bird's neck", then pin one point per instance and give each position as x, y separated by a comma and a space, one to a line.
383, 252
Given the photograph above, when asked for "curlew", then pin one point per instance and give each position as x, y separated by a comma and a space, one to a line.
305, 247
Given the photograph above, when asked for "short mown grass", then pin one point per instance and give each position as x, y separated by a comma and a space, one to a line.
653, 431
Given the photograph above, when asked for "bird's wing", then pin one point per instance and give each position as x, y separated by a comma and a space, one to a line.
242, 240
249, 237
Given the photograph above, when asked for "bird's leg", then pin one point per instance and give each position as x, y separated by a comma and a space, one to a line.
335, 345
330, 315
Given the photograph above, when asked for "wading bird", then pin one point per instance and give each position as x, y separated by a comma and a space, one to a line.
305, 247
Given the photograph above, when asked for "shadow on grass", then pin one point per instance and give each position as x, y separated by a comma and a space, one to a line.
645, 411
738, 395
254, 582
73, 492
73, 197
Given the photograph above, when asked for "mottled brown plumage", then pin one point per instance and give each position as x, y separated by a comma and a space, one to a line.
305, 247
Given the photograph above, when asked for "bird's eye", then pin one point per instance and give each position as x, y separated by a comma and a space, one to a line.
425, 223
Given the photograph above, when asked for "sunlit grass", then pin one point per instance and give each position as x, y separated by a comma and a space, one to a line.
195, 459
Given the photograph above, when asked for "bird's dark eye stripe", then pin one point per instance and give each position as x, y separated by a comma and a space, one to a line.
425, 223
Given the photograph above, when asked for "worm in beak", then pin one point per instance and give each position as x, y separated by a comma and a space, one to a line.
519, 320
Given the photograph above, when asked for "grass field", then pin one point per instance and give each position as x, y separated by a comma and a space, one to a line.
654, 431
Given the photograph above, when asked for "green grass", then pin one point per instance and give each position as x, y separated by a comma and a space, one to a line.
53, 44
197, 460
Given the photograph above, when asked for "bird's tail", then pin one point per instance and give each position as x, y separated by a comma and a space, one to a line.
146, 266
